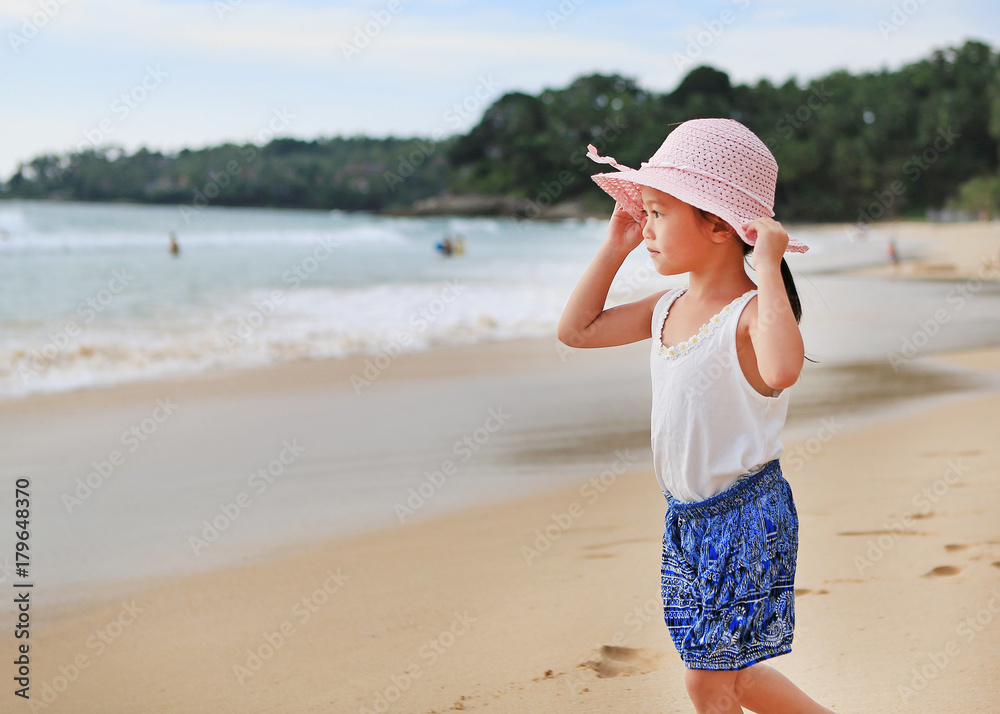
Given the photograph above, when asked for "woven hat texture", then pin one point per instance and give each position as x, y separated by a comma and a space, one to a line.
717, 165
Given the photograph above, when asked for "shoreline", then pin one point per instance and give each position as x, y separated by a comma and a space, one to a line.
932, 254
843, 397
800, 438
859, 394
936, 253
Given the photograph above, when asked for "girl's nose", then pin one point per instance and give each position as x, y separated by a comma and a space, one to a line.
646, 232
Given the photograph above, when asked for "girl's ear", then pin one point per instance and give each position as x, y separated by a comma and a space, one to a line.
719, 229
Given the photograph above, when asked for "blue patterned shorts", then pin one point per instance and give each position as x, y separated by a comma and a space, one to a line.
728, 574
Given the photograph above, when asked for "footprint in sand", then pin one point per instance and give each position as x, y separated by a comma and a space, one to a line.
598, 546
807, 591
943, 570
952, 547
996, 564
612, 661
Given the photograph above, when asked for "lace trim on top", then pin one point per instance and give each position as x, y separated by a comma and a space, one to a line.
697, 338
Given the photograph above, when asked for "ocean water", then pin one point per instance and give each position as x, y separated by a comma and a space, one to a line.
92, 296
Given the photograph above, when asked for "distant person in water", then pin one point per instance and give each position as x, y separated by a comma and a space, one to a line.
445, 246
175, 249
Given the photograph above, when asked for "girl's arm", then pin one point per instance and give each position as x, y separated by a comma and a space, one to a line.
585, 322
776, 338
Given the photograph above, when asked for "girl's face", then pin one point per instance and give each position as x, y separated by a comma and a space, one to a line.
674, 232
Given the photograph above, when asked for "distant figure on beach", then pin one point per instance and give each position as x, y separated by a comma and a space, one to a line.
720, 396
445, 247
893, 253
175, 249
459, 245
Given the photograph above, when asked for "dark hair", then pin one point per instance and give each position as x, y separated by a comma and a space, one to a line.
786, 277
786, 273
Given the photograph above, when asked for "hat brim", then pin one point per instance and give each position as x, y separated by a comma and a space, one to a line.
625, 186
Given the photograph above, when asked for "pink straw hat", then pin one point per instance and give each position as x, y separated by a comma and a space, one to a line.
717, 165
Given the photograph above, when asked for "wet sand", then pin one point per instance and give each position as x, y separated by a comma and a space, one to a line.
549, 602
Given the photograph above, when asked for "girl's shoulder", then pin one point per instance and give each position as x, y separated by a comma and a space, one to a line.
663, 305
669, 296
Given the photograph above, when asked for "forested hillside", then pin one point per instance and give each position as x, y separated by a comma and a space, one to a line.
881, 143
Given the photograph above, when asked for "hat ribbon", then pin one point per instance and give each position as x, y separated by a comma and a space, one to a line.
594, 156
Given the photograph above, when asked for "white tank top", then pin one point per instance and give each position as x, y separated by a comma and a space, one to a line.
709, 425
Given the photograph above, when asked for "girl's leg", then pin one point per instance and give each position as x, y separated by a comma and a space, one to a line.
713, 692
763, 689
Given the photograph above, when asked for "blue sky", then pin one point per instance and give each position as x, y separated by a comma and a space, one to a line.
199, 72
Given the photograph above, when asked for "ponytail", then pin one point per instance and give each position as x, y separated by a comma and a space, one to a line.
786, 277
720, 225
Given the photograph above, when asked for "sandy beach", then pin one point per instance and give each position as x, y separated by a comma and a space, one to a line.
286, 425
940, 251
535, 591
550, 602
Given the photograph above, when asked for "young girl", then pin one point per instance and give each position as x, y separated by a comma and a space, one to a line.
725, 353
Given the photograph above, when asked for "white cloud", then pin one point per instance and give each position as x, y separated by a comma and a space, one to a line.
779, 53
226, 73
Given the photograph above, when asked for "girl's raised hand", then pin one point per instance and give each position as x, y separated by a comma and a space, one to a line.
623, 230
772, 240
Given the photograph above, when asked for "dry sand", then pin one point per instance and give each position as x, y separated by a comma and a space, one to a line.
898, 607
940, 251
